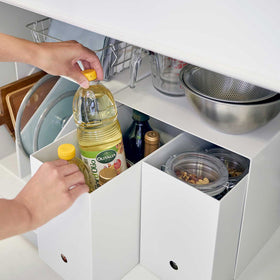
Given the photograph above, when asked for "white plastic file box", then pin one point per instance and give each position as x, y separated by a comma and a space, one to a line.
99, 234
185, 233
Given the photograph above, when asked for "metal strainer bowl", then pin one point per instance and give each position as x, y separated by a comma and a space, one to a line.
222, 88
230, 117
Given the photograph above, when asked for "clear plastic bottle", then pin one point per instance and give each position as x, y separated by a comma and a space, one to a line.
98, 129
68, 152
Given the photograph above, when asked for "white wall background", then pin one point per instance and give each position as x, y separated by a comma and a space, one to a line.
13, 21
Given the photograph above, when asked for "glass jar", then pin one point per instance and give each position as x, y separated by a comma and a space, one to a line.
237, 166
165, 74
200, 170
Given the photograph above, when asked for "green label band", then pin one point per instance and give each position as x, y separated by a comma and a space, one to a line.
94, 154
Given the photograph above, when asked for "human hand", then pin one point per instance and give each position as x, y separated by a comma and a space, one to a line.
57, 58
49, 192
60, 58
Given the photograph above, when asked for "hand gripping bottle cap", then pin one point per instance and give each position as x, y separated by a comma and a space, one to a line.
90, 74
66, 151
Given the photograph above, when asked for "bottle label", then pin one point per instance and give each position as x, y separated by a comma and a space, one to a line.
113, 157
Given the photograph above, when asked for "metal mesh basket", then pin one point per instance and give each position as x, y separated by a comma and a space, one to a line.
222, 88
121, 52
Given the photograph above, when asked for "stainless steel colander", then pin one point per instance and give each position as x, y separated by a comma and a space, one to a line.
222, 88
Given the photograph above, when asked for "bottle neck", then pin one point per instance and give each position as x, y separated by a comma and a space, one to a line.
140, 121
92, 83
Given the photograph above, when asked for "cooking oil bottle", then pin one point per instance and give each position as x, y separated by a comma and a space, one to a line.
68, 152
98, 129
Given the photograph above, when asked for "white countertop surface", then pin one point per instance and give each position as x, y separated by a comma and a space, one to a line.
19, 260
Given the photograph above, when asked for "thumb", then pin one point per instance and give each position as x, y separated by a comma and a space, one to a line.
78, 77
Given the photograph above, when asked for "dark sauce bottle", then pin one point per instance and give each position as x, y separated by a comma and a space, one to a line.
134, 142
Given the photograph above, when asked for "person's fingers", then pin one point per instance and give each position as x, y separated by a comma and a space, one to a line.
78, 190
74, 179
66, 170
86, 64
98, 68
90, 61
77, 76
59, 162
94, 62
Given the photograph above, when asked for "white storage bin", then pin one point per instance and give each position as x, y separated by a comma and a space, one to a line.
185, 233
261, 216
102, 235
99, 234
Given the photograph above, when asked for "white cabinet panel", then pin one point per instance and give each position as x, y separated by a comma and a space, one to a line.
239, 39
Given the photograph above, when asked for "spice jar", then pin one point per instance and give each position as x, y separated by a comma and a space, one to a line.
106, 174
151, 142
199, 165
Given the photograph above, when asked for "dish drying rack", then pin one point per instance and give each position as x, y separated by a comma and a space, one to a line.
121, 52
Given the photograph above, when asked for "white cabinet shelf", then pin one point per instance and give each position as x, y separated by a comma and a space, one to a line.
237, 39
179, 112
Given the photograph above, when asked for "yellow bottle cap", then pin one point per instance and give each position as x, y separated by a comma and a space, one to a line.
66, 151
90, 74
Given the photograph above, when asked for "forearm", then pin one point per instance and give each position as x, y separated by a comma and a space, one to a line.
59, 58
14, 218
47, 194
17, 49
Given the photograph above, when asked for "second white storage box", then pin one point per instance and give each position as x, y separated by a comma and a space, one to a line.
185, 233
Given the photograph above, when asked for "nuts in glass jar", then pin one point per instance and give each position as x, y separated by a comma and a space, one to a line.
233, 172
191, 178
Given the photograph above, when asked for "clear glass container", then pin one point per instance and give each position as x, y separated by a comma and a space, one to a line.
165, 74
237, 166
199, 166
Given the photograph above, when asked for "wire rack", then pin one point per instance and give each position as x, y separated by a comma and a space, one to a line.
121, 52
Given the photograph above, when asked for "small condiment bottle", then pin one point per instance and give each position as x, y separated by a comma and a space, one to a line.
68, 152
151, 142
106, 174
